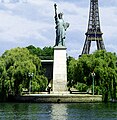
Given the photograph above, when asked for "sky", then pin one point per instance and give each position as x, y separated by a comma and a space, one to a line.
31, 22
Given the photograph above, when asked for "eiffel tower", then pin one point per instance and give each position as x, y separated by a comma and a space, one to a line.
93, 32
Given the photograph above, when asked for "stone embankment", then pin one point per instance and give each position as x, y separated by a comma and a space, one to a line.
58, 98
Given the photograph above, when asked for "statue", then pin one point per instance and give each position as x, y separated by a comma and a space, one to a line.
61, 28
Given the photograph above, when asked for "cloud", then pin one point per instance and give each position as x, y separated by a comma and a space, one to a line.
109, 3
108, 22
33, 22
15, 26
20, 23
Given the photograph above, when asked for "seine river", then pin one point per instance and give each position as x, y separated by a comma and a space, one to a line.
50, 111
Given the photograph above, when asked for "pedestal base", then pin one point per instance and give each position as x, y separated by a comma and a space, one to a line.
60, 69
60, 92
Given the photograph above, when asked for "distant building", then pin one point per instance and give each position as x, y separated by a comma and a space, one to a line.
48, 66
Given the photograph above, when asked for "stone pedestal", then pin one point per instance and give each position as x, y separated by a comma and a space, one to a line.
60, 70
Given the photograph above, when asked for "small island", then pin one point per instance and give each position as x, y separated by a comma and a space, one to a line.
32, 74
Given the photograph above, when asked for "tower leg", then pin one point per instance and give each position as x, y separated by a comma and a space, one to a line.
100, 45
86, 47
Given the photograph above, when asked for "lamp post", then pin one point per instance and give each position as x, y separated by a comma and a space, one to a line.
93, 75
30, 83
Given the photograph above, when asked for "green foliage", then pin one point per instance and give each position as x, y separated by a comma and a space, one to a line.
81, 87
15, 66
45, 54
71, 63
39, 84
104, 64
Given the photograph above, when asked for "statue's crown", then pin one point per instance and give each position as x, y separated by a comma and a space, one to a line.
60, 13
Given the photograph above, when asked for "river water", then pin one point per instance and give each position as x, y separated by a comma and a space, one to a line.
51, 111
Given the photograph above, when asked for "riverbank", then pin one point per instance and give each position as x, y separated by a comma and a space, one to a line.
58, 98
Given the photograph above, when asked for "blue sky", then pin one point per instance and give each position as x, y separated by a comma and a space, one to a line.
31, 22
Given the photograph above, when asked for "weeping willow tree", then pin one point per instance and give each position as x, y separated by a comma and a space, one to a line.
104, 64
15, 66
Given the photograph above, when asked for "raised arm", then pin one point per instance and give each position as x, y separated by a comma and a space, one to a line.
56, 17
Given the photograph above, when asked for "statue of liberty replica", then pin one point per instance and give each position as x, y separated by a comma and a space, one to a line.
61, 28
59, 66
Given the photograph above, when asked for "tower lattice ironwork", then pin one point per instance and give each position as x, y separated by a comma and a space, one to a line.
93, 32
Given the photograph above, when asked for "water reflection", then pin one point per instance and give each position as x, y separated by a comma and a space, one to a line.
59, 112
92, 111
51, 111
